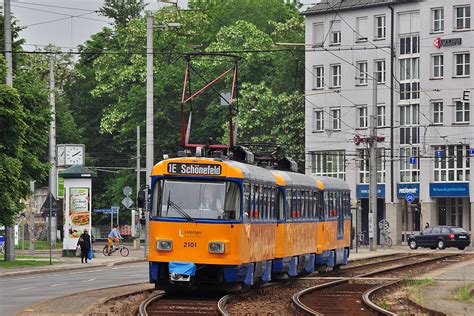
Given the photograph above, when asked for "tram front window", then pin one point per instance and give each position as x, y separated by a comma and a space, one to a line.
196, 200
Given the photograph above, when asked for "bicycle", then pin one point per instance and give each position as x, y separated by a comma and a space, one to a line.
361, 239
387, 239
121, 248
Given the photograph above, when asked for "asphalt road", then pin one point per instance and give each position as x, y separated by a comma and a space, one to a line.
18, 293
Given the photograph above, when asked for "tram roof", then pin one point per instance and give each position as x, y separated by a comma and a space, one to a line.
253, 172
332, 183
296, 179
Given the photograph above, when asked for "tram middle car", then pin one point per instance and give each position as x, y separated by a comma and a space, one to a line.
228, 225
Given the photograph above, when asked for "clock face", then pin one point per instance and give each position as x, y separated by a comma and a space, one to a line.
74, 155
61, 156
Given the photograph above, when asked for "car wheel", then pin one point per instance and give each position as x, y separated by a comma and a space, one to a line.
412, 243
461, 248
441, 244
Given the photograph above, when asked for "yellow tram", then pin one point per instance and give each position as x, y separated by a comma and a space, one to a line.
227, 223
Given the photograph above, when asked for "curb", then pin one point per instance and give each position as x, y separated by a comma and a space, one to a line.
61, 269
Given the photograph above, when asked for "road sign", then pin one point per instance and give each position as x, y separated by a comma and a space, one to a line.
55, 206
413, 160
127, 202
470, 152
103, 210
115, 209
410, 197
439, 153
127, 191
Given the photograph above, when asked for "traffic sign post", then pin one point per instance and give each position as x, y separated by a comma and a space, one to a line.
410, 198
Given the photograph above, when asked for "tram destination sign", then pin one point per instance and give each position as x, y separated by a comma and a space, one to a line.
194, 169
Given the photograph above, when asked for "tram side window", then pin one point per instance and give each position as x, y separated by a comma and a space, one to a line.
265, 203
288, 203
246, 199
347, 204
319, 204
294, 203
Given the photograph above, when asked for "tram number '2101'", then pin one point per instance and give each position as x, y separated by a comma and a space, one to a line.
188, 244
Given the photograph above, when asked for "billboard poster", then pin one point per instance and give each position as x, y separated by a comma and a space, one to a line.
79, 213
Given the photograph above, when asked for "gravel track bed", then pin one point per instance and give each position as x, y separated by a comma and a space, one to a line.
275, 302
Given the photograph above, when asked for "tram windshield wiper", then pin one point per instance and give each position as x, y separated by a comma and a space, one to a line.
177, 208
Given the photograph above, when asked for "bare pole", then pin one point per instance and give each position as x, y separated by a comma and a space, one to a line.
149, 98
52, 149
373, 170
9, 231
31, 225
149, 114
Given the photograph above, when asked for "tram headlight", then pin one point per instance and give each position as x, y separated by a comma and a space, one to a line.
164, 244
216, 247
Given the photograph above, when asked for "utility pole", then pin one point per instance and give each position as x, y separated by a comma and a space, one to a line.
9, 231
149, 116
373, 170
138, 162
52, 151
31, 224
136, 240
149, 98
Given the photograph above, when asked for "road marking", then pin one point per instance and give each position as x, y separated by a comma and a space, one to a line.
138, 274
26, 288
88, 280
54, 285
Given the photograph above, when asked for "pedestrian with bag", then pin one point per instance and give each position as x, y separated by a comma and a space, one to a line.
85, 243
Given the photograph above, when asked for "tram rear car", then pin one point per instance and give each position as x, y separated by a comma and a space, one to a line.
232, 224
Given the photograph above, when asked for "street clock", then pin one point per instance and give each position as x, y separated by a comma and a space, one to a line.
70, 154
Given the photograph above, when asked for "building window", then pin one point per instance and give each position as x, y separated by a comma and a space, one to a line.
318, 72
380, 71
437, 18
437, 66
380, 27
336, 33
362, 116
409, 45
361, 29
462, 114
336, 119
409, 164
462, 64
409, 124
451, 163
463, 17
380, 115
437, 112
329, 164
409, 78
361, 79
335, 76
318, 120
318, 34
409, 22
364, 165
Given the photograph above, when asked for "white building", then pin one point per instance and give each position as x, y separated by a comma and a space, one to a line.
423, 108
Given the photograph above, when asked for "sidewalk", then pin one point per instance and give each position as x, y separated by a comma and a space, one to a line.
74, 263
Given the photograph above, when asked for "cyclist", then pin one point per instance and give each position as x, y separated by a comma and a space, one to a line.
114, 238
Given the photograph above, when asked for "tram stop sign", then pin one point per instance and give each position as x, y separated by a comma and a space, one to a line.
410, 197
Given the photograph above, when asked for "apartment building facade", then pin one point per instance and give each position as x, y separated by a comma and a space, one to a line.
417, 54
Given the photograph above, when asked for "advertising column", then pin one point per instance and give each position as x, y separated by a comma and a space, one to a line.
77, 205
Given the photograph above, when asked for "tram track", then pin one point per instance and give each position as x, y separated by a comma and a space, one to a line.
351, 295
164, 304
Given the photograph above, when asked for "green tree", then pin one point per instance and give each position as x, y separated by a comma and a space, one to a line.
122, 11
12, 141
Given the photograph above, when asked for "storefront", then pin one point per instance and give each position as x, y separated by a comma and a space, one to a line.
362, 194
409, 196
452, 203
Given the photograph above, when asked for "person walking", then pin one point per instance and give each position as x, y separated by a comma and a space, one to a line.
85, 243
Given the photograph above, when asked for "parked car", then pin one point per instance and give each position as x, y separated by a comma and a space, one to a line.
440, 237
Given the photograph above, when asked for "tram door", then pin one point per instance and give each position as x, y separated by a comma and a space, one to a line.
340, 214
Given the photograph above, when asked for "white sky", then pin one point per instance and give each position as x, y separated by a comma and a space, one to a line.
65, 23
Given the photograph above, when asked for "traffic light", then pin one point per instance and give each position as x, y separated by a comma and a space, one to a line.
141, 199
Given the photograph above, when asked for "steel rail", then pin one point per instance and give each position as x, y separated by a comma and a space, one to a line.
143, 305
221, 305
299, 306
